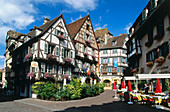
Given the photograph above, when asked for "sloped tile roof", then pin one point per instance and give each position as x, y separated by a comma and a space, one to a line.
75, 26
119, 42
100, 33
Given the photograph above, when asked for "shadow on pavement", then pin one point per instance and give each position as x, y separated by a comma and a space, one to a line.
115, 106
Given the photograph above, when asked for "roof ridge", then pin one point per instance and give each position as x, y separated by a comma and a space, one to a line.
79, 19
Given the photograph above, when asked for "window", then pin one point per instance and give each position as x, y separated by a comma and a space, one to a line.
124, 51
56, 32
46, 48
122, 69
69, 71
160, 28
101, 60
108, 61
49, 68
42, 67
64, 71
113, 43
54, 69
153, 4
100, 70
71, 54
150, 35
87, 28
28, 49
34, 69
59, 70
118, 69
144, 14
62, 55
85, 36
78, 46
121, 59
33, 48
57, 51
90, 37
104, 51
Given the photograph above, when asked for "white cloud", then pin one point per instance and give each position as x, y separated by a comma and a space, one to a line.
128, 27
1, 66
15, 14
98, 26
100, 18
72, 20
79, 5
2, 57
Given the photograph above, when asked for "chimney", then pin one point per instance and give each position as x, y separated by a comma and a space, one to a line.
119, 34
46, 20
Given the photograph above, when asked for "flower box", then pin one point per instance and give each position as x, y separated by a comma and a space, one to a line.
168, 56
28, 56
88, 41
134, 70
168, 28
31, 74
161, 59
64, 76
149, 64
51, 57
85, 54
148, 44
94, 56
158, 37
69, 60
104, 63
114, 72
50, 75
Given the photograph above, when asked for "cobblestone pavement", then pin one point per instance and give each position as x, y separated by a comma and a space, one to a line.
102, 103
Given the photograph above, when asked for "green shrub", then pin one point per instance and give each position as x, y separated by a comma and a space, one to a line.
74, 90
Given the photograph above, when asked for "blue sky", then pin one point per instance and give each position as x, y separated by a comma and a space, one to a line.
21, 15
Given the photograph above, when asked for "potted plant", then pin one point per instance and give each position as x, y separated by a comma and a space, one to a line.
51, 57
48, 75
69, 60
28, 56
94, 56
161, 59
85, 54
168, 28
168, 56
88, 41
158, 37
149, 64
148, 44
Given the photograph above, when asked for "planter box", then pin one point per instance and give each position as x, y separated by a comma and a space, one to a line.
34, 95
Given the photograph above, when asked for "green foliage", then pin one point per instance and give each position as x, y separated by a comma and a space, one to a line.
74, 90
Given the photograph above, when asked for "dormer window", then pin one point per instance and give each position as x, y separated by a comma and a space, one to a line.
113, 43
153, 4
144, 14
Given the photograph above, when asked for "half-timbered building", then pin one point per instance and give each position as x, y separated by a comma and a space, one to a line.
46, 51
82, 34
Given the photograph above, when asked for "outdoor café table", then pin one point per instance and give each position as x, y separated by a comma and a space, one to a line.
159, 100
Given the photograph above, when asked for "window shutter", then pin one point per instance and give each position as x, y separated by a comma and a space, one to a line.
46, 48
117, 69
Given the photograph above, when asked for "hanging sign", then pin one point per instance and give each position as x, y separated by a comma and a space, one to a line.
34, 64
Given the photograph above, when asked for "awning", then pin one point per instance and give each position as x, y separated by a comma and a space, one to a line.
152, 76
130, 78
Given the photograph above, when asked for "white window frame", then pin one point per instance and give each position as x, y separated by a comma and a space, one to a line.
55, 69
62, 52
